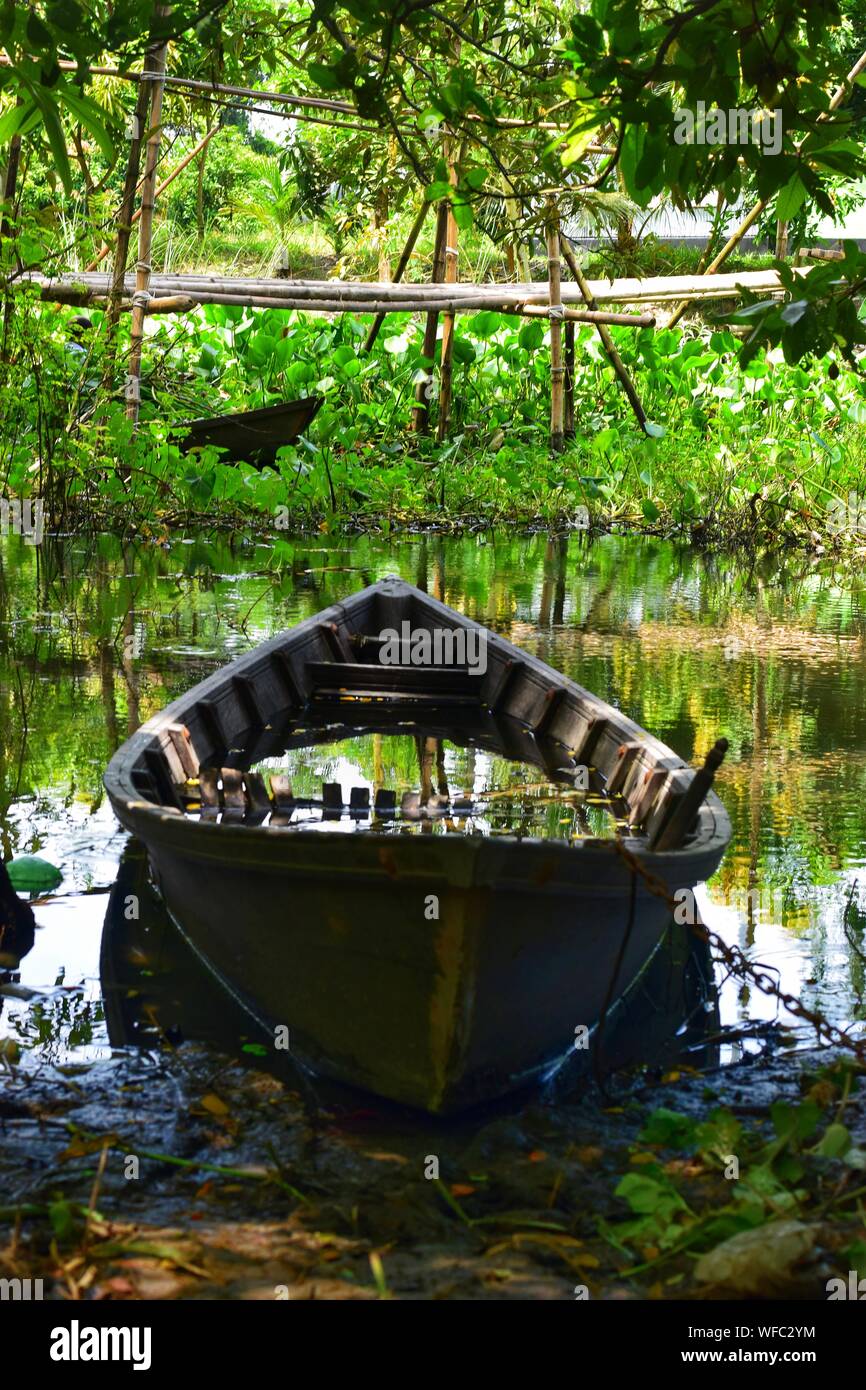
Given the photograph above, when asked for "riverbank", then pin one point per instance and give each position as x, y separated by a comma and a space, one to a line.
242, 1190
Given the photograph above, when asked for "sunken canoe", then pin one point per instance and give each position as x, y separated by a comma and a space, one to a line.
253, 435
329, 934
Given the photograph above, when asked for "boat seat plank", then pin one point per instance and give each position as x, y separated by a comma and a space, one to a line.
339, 675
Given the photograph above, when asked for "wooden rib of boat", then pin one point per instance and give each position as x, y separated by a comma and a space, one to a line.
253, 435
331, 935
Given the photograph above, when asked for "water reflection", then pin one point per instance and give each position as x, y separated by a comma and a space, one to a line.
97, 636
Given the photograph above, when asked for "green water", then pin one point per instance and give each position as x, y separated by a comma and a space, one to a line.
478, 791
95, 636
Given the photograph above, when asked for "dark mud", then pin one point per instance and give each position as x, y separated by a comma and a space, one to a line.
246, 1188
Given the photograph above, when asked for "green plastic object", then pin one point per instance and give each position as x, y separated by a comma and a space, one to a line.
30, 874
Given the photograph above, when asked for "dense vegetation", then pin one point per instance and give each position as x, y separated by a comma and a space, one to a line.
496, 109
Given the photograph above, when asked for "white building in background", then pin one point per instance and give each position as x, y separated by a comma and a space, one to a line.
691, 228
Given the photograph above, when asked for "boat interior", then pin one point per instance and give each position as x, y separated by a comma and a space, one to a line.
331, 674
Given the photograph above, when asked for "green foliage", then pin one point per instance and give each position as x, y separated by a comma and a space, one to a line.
794, 1172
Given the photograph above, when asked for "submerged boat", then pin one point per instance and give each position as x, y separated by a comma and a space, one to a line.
253, 435
414, 945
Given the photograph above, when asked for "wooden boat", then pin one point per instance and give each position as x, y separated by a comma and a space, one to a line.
253, 435
332, 935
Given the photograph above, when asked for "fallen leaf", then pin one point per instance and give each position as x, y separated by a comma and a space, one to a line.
214, 1104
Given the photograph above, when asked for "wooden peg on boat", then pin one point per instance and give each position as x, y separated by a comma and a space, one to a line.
675, 829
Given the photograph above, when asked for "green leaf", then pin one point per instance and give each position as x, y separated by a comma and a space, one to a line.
835, 1142
668, 1128
649, 509
434, 191
329, 79
90, 117
531, 336
54, 134
12, 121
791, 199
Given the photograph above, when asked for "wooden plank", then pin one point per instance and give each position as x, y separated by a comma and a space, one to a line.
682, 818
257, 794
595, 727
552, 700
645, 793
338, 675
511, 670
182, 744
675, 789
245, 689
233, 789
208, 785
281, 791
165, 787
626, 754
211, 719
385, 803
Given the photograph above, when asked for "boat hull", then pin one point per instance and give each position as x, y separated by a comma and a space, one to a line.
441, 969
253, 435
420, 970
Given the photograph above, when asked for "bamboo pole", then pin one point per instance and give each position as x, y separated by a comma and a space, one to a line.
403, 262
10, 187
424, 388
555, 312
568, 419
145, 232
734, 240
352, 294
80, 294
124, 231
730, 245
160, 189
10, 184
289, 99
607, 341
446, 360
